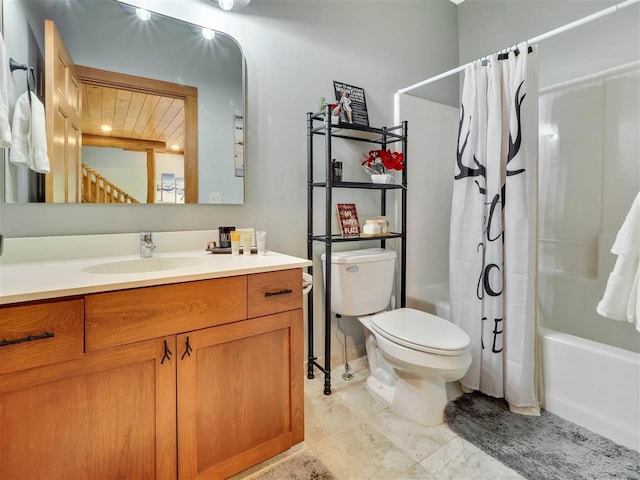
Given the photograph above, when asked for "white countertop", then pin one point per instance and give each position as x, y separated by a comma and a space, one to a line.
22, 281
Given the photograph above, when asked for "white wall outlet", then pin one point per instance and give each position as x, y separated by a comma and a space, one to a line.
215, 197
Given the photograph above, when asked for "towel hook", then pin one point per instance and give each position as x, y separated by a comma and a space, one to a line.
13, 65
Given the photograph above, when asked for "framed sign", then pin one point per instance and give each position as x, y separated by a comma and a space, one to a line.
353, 105
348, 218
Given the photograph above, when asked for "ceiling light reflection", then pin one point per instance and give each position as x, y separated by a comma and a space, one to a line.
208, 33
143, 14
225, 4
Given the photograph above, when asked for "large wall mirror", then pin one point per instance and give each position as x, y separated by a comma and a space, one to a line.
140, 107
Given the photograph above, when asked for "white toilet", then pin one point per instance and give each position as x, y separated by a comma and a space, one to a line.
412, 354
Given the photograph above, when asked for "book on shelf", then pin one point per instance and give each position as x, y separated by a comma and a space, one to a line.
348, 218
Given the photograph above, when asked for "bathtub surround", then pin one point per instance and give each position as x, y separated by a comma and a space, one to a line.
492, 250
587, 125
429, 194
545, 447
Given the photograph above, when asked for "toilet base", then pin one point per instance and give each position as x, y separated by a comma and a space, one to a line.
417, 399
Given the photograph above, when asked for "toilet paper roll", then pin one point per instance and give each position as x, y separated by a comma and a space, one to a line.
307, 283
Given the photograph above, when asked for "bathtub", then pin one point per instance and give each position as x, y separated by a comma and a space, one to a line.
594, 385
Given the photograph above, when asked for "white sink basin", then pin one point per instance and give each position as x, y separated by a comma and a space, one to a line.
142, 265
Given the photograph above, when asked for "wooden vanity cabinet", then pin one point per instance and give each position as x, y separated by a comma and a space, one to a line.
209, 395
240, 394
110, 414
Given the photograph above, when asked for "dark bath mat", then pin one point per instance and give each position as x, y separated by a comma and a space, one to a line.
546, 447
299, 467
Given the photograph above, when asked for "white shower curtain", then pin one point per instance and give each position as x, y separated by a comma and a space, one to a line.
492, 272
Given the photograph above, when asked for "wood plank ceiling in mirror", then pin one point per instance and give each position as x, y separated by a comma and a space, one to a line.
125, 114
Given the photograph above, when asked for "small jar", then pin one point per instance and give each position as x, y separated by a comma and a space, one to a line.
384, 225
371, 227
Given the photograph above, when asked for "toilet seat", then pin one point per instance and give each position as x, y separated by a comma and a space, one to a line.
421, 331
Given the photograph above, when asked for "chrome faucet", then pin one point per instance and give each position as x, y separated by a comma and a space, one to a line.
146, 245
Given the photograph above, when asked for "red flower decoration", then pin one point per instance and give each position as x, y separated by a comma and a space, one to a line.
379, 161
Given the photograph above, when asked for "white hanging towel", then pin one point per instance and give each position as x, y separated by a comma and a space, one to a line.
29, 134
621, 297
5, 130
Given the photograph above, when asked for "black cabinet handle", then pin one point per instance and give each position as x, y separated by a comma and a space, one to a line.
167, 353
30, 338
281, 292
187, 350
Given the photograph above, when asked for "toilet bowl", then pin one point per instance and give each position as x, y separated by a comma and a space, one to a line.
412, 354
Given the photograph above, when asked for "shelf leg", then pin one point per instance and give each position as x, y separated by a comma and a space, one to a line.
311, 357
327, 383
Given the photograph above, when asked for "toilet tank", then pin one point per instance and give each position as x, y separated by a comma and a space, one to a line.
361, 280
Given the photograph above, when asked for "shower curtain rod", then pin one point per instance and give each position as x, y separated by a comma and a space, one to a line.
544, 36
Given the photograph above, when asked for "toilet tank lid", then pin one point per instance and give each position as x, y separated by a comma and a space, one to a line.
361, 256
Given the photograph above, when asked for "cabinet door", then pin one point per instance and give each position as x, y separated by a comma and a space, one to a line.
110, 415
240, 394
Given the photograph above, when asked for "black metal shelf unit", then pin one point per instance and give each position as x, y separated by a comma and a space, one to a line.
320, 124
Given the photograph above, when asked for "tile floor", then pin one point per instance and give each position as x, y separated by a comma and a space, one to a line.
358, 437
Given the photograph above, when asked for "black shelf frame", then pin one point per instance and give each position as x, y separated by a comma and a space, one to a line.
360, 185
336, 238
380, 136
